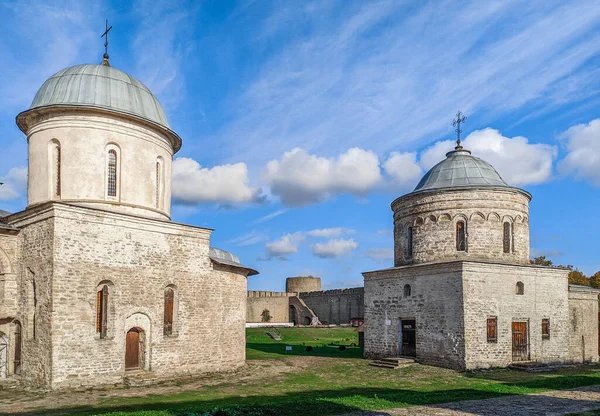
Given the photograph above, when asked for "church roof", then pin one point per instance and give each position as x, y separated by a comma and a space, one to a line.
228, 259
100, 86
460, 170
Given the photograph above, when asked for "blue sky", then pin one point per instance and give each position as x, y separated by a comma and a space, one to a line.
302, 121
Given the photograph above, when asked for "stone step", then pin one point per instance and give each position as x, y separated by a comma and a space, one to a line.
393, 362
139, 378
274, 336
398, 360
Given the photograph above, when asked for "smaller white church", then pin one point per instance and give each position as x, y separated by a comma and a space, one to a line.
97, 284
462, 293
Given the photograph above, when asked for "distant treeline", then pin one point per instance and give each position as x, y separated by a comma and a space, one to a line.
576, 277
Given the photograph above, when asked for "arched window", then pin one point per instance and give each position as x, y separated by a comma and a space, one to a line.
112, 173
31, 305
407, 291
54, 167
409, 243
507, 237
102, 311
461, 236
159, 183
18, 343
520, 288
169, 306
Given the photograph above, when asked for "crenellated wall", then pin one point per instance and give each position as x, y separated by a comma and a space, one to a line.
277, 303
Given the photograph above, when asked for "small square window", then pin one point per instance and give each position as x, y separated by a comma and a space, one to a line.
492, 329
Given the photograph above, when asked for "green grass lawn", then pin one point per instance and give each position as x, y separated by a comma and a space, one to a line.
325, 342
324, 381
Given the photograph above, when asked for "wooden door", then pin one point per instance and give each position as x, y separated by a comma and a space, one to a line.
520, 341
132, 349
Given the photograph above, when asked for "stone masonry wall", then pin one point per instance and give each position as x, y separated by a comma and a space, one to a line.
9, 293
490, 291
35, 297
138, 258
435, 303
277, 303
583, 323
433, 217
337, 306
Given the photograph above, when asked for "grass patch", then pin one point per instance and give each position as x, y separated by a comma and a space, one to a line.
324, 381
325, 342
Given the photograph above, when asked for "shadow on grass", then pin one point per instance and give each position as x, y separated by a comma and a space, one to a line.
321, 402
317, 351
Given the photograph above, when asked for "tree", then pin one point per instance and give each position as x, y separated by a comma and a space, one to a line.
265, 316
595, 280
541, 261
578, 278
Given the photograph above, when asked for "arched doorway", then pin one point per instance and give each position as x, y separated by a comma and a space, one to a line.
135, 349
3, 355
293, 315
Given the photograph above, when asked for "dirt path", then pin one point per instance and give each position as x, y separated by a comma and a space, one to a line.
551, 403
14, 400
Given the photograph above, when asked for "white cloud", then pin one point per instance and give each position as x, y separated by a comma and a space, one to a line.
404, 169
583, 145
270, 216
368, 75
300, 178
516, 160
380, 254
334, 248
328, 232
286, 245
193, 183
15, 184
248, 239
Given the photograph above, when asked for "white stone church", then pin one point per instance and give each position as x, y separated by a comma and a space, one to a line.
462, 293
97, 284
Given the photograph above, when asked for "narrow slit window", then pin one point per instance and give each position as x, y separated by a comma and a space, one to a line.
545, 328
102, 312
18, 343
158, 180
407, 291
168, 320
55, 169
409, 243
492, 329
461, 236
507, 237
112, 173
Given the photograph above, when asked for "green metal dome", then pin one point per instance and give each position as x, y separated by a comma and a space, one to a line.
460, 170
100, 86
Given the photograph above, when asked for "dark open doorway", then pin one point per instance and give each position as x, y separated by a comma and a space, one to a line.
407, 332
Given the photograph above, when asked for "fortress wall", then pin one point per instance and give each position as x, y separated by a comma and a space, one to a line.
337, 306
277, 303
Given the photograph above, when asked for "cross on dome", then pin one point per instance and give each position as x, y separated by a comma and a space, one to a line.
460, 118
105, 34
